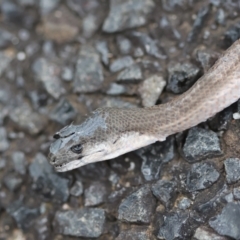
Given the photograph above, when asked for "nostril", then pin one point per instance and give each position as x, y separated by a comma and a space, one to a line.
53, 159
56, 135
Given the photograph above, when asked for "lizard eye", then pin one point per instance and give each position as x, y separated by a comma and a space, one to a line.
77, 149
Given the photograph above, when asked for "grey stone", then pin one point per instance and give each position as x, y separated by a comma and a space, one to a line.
2, 163
135, 234
227, 222
151, 89
88, 74
85, 222
131, 73
198, 23
5, 58
181, 77
4, 144
149, 44
47, 73
67, 74
125, 14
27, 119
163, 190
184, 203
95, 194
124, 44
138, 207
102, 48
200, 144
220, 17
12, 181
77, 189
47, 181
90, 25
116, 89
171, 228
201, 176
232, 168
48, 6
23, 215
63, 112
121, 63
19, 162
203, 233
5, 38
236, 193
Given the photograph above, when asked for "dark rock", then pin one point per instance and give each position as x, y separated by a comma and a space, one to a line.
24, 216
61, 26
172, 5
131, 73
232, 168
198, 23
227, 222
181, 77
232, 34
63, 113
11, 12
19, 162
200, 144
4, 144
154, 156
151, 89
137, 207
127, 14
5, 38
77, 189
121, 63
163, 190
48, 73
50, 184
102, 48
27, 119
95, 194
236, 193
5, 58
206, 59
85, 222
149, 44
171, 228
89, 74
124, 45
201, 176
47, 6
184, 203
12, 181
94, 171
135, 234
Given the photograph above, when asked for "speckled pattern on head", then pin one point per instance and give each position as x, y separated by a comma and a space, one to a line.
110, 132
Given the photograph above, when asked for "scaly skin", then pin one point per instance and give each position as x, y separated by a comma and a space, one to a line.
110, 132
